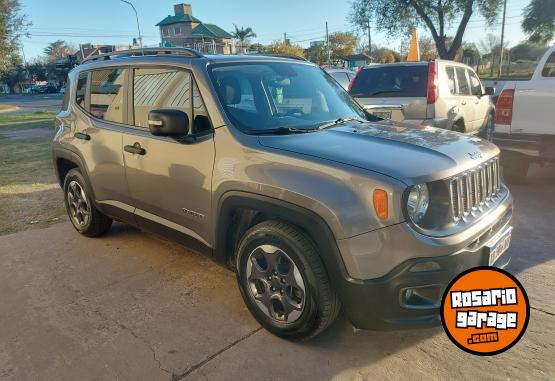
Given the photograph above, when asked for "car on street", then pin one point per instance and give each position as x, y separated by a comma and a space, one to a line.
342, 76
523, 119
44, 89
267, 165
444, 94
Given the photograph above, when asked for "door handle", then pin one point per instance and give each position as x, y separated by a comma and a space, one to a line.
135, 149
82, 136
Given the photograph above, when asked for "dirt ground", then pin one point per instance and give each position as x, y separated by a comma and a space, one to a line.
131, 306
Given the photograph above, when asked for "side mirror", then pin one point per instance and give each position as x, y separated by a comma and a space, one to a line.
489, 90
168, 123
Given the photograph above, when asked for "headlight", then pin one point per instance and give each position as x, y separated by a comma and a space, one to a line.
418, 202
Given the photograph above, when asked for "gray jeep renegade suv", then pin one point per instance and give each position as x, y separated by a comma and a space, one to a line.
270, 167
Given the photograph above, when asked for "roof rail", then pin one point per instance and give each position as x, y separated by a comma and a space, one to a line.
290, 56
187, 52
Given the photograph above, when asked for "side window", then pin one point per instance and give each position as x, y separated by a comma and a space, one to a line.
201, 121
160, 88
341, 78
549, 67
81, 91
475, 84
450, 70
107, 91
464, 87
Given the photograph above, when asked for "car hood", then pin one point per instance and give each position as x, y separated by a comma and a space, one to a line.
405, 152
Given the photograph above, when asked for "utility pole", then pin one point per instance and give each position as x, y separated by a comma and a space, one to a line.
328, 44
285, 37
369, 40
502, 39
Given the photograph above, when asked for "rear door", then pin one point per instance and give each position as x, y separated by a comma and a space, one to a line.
396, 92
534, 101
101, 100
341, 78
465, 99
171, 182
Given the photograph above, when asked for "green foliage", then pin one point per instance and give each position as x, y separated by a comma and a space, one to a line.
402, 16
37, 70
527, 52
58, 50
280, 47
342, 44
12, 26
318, 54
539, 20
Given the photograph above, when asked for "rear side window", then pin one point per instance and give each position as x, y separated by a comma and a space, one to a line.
341, 78
81, 91
159, 88
549, 67
391, 81
107, 94
450, 70
464, 86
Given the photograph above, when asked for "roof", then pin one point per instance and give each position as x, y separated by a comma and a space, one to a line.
210, 31
178, 19
358, 57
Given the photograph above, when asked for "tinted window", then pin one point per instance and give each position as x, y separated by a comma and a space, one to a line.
160, 88
81, 89
450, 70
201, 121
464, 87
341, 78
475, 84
107, 94
549, 67
269, 95
391, 81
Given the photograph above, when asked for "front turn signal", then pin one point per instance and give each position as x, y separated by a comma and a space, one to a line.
380, 204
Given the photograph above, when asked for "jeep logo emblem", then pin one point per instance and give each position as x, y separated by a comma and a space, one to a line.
475, 155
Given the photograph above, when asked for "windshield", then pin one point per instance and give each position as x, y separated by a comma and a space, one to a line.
261, 96
391, 81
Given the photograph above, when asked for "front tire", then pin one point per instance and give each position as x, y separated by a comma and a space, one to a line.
283, 281
84, 216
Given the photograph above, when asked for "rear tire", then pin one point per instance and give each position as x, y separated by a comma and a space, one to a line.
83, 214
283, 281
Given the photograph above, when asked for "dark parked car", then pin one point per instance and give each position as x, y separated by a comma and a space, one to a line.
44, 89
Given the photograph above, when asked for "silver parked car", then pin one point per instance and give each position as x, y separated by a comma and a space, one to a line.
439, 93
342, 76
269, 167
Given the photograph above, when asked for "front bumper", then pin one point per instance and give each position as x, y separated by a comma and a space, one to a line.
380, 303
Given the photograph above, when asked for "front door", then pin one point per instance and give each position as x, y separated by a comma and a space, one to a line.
170, 180
482, 103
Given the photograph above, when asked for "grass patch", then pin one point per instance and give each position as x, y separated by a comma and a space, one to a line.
29, 193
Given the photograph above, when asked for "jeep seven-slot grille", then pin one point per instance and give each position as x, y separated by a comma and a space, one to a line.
473, 190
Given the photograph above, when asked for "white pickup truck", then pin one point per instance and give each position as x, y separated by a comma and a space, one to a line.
524, 122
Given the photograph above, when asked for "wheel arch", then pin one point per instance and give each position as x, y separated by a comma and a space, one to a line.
64, 161
238, 211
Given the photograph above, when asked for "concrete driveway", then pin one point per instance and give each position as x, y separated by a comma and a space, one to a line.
131, 306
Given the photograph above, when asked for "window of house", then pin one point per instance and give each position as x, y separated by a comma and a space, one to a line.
160, 88
165, 32
177, 30
549, 67
450, 70
81, 91
464, 86
107, 94
475, 84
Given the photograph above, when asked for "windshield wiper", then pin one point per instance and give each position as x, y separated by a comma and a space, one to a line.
339, 121
281, 131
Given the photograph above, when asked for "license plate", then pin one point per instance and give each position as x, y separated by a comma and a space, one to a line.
382, 114
498, 248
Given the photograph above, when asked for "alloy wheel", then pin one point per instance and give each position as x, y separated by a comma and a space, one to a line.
79, 209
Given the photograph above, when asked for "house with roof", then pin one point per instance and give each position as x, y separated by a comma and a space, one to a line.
184, 30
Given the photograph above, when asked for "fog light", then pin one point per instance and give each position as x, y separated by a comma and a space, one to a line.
425, 266
421, 297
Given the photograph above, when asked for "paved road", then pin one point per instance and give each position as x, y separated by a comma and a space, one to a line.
133, 306
32, 102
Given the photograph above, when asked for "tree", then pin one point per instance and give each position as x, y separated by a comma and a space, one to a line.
12, 26
428, 50
243, 35
13, 72
318, 54
402, 16
37, 71
280, 47
491, 46
539, 21
470, 54
526, 51
257, 47
58, 50
342, 44
385, 55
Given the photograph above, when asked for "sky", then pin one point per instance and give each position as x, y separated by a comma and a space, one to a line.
113, 22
